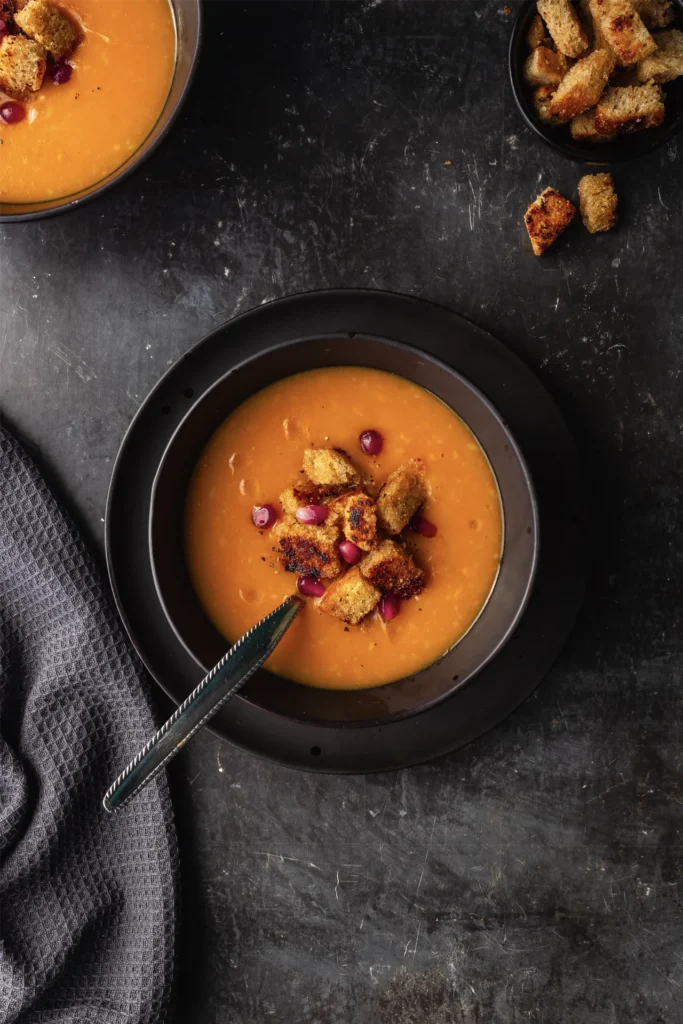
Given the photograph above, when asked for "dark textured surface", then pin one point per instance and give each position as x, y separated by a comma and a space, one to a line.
535, 875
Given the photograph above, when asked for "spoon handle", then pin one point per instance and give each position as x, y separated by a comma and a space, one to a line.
221, 683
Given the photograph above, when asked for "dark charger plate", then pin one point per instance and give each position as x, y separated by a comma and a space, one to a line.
535, 423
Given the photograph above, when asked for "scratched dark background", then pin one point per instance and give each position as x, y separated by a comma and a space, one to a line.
536, 875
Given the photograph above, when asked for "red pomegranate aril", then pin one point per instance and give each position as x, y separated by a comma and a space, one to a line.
310, 586
389, 606
263, 516
418, 524
3, 29
350, 552
312, 515
371, 442
61, 73
12, 112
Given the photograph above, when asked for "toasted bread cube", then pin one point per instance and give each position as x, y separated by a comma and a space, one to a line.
666, 63
629, 109
401, 496
330, 467
654, 13
305, 493
22, 66
536, 34
583, 85
358, 518
392, 569
564, 26
540, 101
49, 26
582, 128
622, 28
547, 217
308, 550
545, 67
598, 202
350, 598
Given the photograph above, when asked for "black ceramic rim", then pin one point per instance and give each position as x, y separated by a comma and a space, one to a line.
549, 452
630, 147
65, 204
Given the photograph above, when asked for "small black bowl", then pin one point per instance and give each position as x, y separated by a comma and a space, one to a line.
187, 17
625, 148
508, 598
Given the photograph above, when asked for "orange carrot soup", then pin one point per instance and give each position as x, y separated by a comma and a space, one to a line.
86, 113
238, 569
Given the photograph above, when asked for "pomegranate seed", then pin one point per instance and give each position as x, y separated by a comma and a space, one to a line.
350, 552
12, 112
61, 73
263, 516
3, 29
310, 586
371, 442
312, 515
418, 524
389, 606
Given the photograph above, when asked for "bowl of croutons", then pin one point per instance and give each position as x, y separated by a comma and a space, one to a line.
599, 80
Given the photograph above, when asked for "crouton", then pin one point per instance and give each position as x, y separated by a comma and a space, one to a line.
654, 13
350, 598
401, 496
392, 569
308, 550
598, 202
623, 30
629, 109
330, 467
582, 86
536, 34
666, 63
545, 67
564, 26
540, 101
582, 128
305, 493
22, 66
358, 518
547, 217
49, 26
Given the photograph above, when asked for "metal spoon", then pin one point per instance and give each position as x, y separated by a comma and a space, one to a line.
222, 682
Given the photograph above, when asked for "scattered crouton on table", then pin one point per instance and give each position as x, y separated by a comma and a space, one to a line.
330, 466
622, 28
583, 85
545, 67
22, 66
49, 26
666, 63
350, 598
308, 550
401, 496
564, 26
629, 109
392, 569
598, 202
546, 219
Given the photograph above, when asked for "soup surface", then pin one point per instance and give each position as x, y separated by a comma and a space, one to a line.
76, 134
256, 454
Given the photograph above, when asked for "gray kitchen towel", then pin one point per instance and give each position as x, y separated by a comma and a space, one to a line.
87, 900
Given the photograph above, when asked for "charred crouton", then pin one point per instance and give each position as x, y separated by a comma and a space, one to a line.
598, 202
536, 34
540, 100
350, 598
629, 109
392, 569
330, 467
401, 496
564, 26
547, 217
304, 494
358, 518
49, 26
654, 13
308, 550
582, 128
622, 28
666, 63
545, 67
583, 85
22, 66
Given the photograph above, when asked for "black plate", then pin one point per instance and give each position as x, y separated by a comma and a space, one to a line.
550, 454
